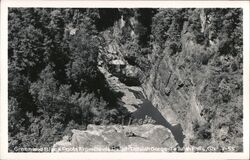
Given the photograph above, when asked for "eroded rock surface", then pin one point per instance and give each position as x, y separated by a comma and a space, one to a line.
119, 74
120, 138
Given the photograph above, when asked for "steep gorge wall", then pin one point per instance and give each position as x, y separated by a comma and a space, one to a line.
194, 85
190, 79
182, 71
169, 85
173, 87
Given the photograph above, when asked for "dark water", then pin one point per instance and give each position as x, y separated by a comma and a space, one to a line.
147, 108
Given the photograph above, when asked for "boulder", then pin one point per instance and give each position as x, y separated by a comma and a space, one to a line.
147, 137
131, 76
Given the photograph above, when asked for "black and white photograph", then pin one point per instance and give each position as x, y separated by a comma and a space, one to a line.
125, 79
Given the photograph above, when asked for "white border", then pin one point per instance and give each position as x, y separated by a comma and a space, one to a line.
122, 4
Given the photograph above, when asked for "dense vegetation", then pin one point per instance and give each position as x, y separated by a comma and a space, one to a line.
55, 85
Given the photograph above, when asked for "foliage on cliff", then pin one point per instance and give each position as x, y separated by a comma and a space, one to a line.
202, 48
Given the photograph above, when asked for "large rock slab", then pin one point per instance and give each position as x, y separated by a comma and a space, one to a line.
132, 95
147, 137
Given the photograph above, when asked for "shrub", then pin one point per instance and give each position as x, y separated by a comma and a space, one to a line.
173, 48
204, 58
146, 51
225, 47
202, 131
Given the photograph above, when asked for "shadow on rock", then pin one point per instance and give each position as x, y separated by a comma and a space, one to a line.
148, 109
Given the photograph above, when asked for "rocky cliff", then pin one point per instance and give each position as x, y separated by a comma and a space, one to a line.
187, 85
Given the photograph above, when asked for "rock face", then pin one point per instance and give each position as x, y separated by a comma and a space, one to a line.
119, 74
128, 100
120, 138
174, 85
182, 87
190, 89
186, 85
